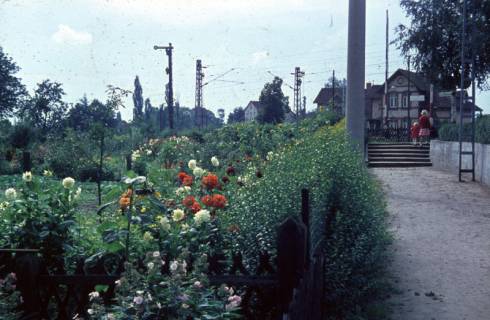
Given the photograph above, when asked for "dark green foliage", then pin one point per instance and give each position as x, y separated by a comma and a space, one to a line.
21, 136
274, 103
46, 110
434, 34
450, 131
85, 114
137, 100
11, 89
237, 115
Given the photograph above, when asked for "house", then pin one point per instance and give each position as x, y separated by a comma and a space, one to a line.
399, 112
252, 110
330, 98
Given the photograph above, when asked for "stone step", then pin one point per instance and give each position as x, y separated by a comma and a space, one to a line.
399, 155
400, 151
398, 159
389, 147
397, 164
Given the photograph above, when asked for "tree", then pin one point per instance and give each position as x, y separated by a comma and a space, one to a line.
46, 110
221, 115
434, 37
137, 100
274, 103
11, 89
237, 115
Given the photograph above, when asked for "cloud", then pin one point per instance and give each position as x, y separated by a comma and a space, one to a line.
67, 35
259, 56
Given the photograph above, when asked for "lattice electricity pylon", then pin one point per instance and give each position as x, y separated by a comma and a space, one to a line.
198, 111
468, 36
298, 74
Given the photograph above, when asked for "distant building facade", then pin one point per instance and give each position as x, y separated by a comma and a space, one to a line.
400, 112
252, 110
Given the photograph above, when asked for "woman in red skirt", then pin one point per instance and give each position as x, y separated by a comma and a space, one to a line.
424, 124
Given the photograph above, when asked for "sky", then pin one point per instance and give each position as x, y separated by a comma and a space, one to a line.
90, 44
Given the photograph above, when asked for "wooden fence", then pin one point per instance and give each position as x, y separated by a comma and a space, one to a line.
289, 288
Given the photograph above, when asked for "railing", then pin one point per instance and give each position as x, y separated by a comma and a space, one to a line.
291, 288
388, 134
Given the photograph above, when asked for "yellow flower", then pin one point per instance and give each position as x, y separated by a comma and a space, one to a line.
68, 182
143, 209
27, 176
147, 236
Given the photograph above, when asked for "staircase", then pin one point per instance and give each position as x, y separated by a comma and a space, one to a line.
402, 155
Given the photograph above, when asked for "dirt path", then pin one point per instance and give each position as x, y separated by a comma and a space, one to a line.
441, 249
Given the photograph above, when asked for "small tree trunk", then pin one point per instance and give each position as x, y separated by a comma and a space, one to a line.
99, 173
26, 161
129, 162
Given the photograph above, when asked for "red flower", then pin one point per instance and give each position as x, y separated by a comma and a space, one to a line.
225, 179
182, 176
195, 207
207, 200
230, 171
187, 181
219, 201
188, 201
210, 181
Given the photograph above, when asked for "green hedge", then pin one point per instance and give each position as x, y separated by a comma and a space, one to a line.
325, 164
450, 131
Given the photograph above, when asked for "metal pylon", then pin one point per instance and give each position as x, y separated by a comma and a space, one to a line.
467, 67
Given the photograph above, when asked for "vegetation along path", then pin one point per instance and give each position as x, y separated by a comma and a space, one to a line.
441, 247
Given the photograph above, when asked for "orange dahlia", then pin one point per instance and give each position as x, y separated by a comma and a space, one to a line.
210, 181
196, 207
207, 200
219, 201
188, 201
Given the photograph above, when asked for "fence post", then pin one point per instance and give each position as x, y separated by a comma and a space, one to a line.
291, 257
26, 161
27, 269
129, 162
305, 215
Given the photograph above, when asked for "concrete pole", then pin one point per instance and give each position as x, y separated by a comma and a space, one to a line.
355, 113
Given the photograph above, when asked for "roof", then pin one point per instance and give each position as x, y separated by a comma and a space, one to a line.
256, 104
417, 79
374, 91
325, 96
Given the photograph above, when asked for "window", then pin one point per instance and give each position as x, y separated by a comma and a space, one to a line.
393, 100
404, 100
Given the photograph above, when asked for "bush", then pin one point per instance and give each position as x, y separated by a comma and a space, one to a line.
450, 131
336, 177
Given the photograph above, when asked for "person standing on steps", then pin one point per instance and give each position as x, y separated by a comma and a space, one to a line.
424, 124
414, 132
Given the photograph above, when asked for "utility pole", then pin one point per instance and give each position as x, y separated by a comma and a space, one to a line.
170, 90
304, 105
333, 91
386, 100
356, 66
298, 74
199, 120
408, 100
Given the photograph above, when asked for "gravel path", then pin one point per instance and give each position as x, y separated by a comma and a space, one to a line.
441, 248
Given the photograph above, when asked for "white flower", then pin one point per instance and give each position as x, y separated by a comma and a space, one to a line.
269, 156
150, 265
165, 223
111, 316
90, 311
156, 254
198, 172
139, 179
187, 189
78, 193
192, 164
215, 161
148, 152
174, 265
202, 216
93, 295
140, 292
181, 190
185, 306
47, 173
197, 284
68, 182
178, 215
27, 176
135, 155
10, 194
117, 282
138, 300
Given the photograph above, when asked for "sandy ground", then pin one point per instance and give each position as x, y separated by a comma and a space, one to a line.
441, 248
